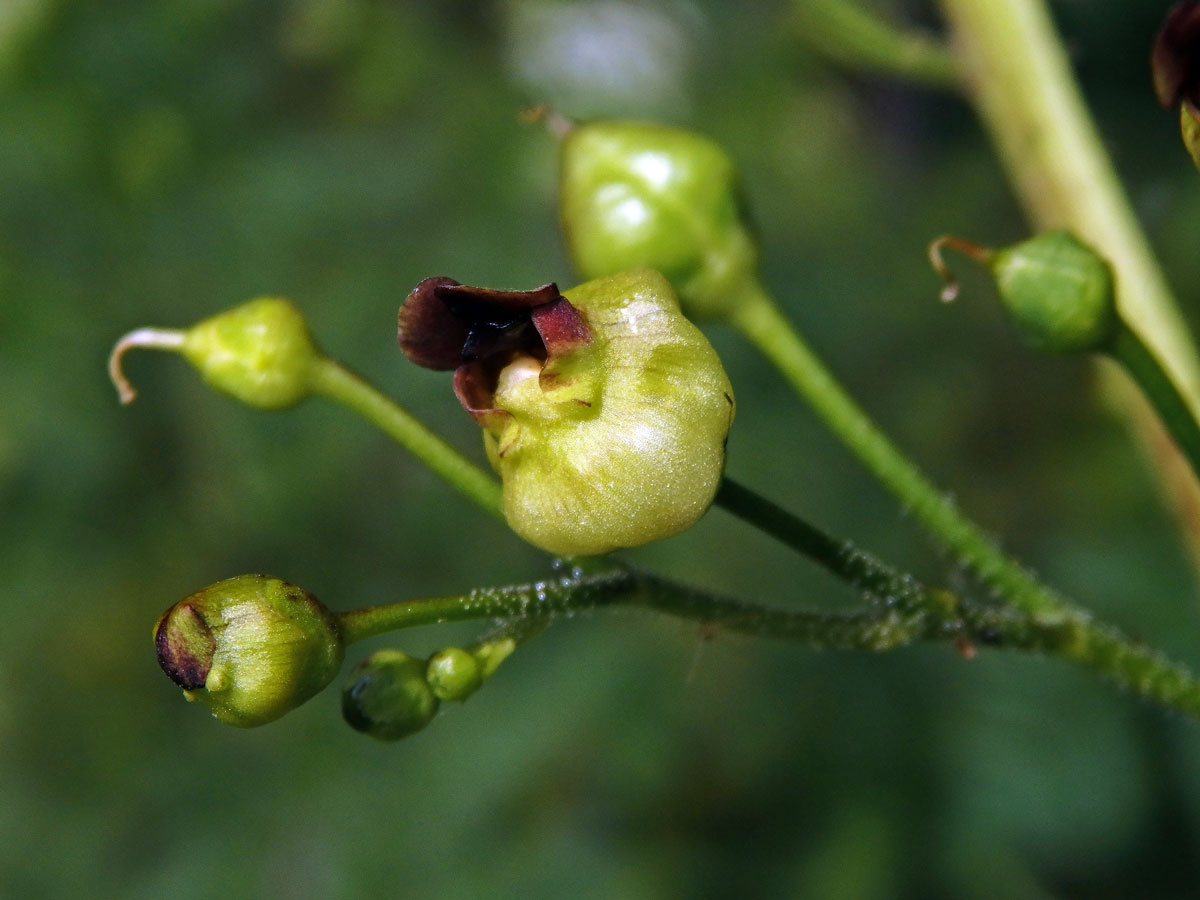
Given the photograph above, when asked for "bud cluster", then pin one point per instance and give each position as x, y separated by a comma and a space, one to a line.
391, 695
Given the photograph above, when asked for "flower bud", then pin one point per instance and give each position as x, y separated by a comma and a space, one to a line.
453, 674
641, 195
604, 409
388, 697
260, 352
250, 648
1059, 292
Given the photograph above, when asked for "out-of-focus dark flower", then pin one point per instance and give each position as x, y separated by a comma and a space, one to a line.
1175, 63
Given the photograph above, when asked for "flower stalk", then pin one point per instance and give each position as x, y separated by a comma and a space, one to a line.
1074, 637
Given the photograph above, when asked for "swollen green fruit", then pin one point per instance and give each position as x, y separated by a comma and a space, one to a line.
604, 409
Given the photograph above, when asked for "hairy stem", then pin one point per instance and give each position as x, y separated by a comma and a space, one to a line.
337, 383
759, 319
1075, 638
857, 568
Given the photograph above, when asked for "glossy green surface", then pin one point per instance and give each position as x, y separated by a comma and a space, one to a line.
160, 162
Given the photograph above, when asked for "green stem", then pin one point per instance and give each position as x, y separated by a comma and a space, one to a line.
856, 38
1020, 81
1145, 369
1074, 638
875, 630
856, 567
759, 319
1094, 645
337, 383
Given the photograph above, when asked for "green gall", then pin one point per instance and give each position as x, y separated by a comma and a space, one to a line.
604, 409
260, 352
453, 674
641, 195
388, 697
250, 648
1059, 292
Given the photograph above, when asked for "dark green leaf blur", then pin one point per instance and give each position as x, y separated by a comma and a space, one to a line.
162, 161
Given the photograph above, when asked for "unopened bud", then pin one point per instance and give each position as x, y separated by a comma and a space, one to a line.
250, 648
388, 697
260, 352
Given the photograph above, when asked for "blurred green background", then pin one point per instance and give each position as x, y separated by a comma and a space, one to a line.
160, 161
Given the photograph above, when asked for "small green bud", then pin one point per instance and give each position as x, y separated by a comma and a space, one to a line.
250, 648
1058, 291
639, 195
388, 697
260, 352
453, 674
604, 409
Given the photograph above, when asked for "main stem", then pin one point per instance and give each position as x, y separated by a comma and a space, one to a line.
759, 319
1074, 638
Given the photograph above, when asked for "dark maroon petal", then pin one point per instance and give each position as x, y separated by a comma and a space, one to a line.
475, 387
561, 326
1175, 60
477, 302
184, 645
429, 334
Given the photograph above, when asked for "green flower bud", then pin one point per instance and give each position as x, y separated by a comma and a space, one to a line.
453, 674
604, 409
260, 352
1058, 290
250, 648
388, 697
640, 195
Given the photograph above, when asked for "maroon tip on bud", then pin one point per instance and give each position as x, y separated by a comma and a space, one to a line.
1175, 60
184, 645
477, 331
